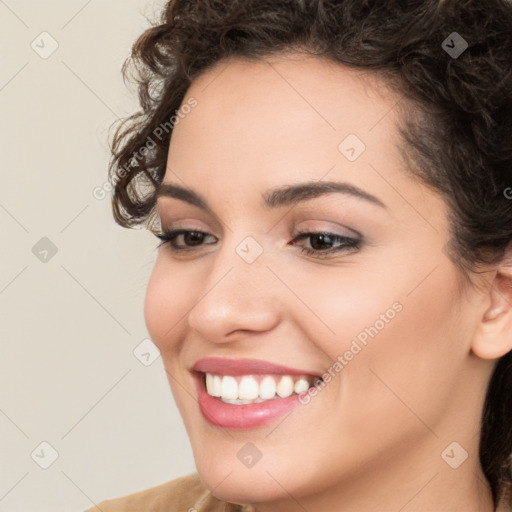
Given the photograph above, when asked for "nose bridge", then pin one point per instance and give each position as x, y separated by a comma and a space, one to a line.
236, 293
240, 265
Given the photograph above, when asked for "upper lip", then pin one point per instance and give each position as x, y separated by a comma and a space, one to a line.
224, 366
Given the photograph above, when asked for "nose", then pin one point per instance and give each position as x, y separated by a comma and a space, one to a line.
236, 298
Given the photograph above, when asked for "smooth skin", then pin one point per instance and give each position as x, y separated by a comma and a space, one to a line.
373, 438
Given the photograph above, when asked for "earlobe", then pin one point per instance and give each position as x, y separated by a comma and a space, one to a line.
493, 336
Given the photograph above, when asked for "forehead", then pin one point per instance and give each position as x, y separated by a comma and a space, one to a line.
285, 106
300, 96
288, 118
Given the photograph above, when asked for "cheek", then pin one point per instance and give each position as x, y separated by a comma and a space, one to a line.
402, 307
403, 348
166, 303
398, 385
395, 322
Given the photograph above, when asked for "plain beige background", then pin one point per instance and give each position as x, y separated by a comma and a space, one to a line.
75, 371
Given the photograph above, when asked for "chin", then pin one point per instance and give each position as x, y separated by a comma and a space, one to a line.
241, 486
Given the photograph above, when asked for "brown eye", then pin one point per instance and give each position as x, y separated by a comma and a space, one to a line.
323, 244
192, 238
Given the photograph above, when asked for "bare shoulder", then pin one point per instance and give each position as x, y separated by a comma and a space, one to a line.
181, 494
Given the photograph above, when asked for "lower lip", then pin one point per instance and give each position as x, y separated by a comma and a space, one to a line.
242, 416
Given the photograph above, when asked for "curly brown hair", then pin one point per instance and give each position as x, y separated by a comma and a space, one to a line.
460, 144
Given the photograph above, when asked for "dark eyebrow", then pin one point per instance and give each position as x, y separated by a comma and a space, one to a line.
292, 194
281, 196
184, 194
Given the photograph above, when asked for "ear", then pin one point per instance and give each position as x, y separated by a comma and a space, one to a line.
493, 336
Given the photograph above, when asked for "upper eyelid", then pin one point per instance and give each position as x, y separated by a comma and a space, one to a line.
352, 231
312, 231
307, 202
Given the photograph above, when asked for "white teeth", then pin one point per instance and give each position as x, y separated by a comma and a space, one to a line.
285, 386
217, 385
229, 388
268, 388
247, 390
213, 385
300, 386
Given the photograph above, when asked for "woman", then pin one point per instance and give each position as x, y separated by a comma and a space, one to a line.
332, 295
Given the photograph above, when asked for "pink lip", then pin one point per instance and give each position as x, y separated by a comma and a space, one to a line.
235, 367
243, 416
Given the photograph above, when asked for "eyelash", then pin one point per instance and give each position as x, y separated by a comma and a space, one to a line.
168, 237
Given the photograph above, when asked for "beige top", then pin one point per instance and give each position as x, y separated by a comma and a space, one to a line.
188, 494
184, 494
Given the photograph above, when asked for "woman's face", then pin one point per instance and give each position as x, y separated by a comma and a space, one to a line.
382, 313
